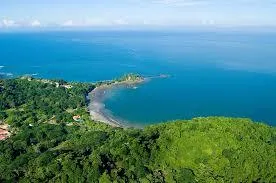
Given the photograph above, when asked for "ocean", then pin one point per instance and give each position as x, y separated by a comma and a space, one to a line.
213, 73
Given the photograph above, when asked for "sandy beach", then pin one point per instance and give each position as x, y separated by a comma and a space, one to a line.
97, 109
96, 105
96, 99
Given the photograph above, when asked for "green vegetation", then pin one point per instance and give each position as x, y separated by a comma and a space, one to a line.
214, 149
127, 79
130, 77
24, 101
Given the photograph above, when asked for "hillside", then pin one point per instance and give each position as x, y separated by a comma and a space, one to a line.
46, 144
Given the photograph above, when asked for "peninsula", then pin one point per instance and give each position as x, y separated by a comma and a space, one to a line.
47, 135
96, 97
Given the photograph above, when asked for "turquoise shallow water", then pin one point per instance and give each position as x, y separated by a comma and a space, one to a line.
213, 73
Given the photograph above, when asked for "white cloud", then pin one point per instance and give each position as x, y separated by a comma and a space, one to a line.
120, 22
208, 22
146, 22
181, 2
85, 23
9, 23
68, 23
35, 23
96, 22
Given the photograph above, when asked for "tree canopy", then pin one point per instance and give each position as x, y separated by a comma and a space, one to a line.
212, 149
26, 100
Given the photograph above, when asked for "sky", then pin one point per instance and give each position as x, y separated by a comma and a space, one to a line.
101, 13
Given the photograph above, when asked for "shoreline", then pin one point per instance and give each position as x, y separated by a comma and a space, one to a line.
96, 97
97, 109
96, 106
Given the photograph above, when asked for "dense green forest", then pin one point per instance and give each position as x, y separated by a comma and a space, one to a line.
26, 101
53, 149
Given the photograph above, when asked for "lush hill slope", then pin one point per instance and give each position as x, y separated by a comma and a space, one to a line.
216, 150
25, 100
213, 149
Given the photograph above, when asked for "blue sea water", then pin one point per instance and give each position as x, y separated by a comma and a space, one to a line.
212, 73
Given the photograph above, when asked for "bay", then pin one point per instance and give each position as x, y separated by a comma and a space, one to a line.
212, 73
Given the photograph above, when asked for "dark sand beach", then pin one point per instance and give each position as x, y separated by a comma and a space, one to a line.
96, 105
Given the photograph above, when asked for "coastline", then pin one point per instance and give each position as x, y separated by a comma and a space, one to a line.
97, 109
96, 98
